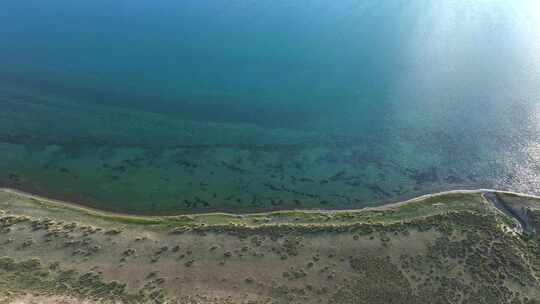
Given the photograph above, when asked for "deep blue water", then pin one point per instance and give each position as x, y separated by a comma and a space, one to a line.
202, 105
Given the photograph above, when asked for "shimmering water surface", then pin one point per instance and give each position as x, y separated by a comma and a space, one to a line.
238, 105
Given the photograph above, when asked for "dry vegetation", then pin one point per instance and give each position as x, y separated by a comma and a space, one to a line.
452, 248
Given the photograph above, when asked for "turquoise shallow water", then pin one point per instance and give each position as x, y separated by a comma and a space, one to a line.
196, 106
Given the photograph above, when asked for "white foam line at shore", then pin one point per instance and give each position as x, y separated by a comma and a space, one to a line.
381, 207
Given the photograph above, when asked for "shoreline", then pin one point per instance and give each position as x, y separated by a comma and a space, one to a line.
58, 249
91, 210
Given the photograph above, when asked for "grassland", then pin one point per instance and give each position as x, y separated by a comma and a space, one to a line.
448, 248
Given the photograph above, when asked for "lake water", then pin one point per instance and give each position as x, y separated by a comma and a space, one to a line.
241, 105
